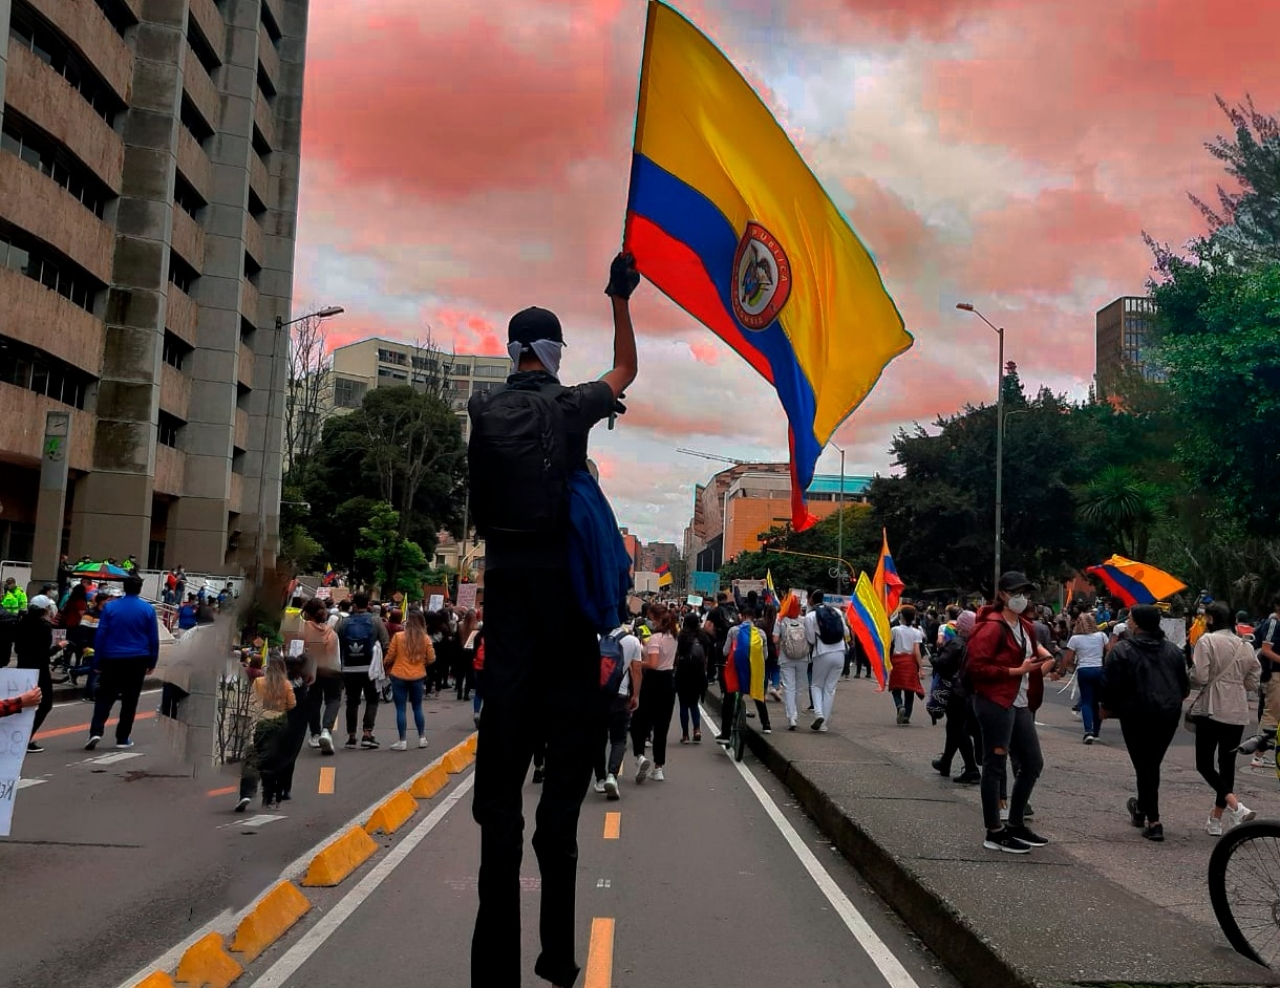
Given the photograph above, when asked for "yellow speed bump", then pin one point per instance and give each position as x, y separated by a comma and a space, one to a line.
392, 814
275, 912
339, 858
206, 964
429, 782
156, 979
457, 759
471, 742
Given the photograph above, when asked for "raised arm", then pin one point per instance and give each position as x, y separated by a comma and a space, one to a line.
623, 280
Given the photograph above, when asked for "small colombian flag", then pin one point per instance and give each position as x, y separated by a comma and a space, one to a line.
665, 575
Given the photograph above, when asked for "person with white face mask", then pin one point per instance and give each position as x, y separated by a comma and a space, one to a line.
1006, 666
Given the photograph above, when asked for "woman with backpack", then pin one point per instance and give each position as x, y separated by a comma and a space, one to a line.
962, 729
691, 676
793, 654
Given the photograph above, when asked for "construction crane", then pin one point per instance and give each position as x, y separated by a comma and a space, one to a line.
714, 456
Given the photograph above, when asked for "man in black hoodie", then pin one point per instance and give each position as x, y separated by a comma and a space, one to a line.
1145, 684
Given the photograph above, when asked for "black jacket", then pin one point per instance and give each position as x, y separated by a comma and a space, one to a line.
33, 641
949, 662
1145, 677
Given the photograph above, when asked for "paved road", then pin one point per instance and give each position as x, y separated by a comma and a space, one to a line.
117, 856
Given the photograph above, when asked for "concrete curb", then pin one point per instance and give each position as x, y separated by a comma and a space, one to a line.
428, 783
269, 920
393, 814
339, 858
206, 964
457, 759
959, 946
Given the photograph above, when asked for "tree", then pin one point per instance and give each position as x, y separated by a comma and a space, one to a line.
1122, 507
818, 544
308, 391
397, 563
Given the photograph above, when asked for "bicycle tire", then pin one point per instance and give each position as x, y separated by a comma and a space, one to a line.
1221, 896
739, 729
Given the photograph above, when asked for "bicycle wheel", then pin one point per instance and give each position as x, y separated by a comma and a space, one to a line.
1244, 888
739, 728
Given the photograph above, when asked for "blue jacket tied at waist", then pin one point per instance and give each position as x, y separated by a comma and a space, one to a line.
599, 564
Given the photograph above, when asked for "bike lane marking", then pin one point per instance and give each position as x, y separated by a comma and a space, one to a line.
59, 732
599, 972
328, 780
612, 826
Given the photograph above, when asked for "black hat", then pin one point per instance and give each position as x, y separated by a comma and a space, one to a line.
532, 324
1013, 580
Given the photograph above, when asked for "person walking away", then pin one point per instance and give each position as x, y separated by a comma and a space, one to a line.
464, 677
906, 660
772, 670
691, 677
741, 654
793, 655
270, 701
357, 634
826, 631
1005, 667
654, 716
187, 614
1145, 684
1084, 653
33, 643
127, 648
720, 620
537, 687
474, 648
621, 676
1266, 640
1227, 674
406, 665
961, 731
324, 671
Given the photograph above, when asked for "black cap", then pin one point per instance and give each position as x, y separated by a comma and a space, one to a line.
1013, 580
532, 324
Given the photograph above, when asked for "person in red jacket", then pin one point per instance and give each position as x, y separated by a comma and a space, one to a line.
1005, 667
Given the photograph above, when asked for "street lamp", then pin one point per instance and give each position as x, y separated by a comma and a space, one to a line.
259, 554
999, 330
840, 523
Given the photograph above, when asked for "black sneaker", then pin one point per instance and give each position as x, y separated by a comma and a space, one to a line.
1155, 833
1002, 840
1259, 742
369, 741
940, 768
243, 804
1026, 835
32, 746
1135, 815
537, 776
352, 743
968, 778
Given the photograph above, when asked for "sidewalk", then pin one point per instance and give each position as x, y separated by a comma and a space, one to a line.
1100, 905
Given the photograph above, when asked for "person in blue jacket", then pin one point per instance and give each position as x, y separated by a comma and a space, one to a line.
127, 648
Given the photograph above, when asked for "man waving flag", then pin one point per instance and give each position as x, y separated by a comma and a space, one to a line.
728, 221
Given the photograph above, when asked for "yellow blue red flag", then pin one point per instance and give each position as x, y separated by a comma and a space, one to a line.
869, 623
887, 582
727, 220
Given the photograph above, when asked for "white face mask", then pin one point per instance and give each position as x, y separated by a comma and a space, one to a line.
1017, 603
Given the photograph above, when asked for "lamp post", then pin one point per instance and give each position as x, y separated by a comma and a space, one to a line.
999, 331
840, 523
259, 563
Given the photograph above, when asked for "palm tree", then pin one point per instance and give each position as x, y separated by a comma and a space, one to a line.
1122, 506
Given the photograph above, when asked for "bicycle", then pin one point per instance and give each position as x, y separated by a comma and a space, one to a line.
738, 727
1244, 889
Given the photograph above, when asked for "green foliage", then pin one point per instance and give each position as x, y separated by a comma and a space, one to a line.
1121, 506
396, 563
861, 547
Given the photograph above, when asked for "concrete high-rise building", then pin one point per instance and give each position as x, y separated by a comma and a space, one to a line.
148, 200
1123, 328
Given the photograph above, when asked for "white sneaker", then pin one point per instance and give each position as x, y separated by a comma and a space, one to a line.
326, 742
642, 769
657, 775
1261, 760
313, 741
422, 741
599, 786
611, 786
400, 746
1241, 814
1214, 826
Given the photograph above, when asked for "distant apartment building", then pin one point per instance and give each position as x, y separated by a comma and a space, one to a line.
149, 157
656, 554
1123, 329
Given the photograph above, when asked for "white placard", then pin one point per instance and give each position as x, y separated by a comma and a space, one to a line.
693, 600
324, 593
15, 734
1175, 630
436, 603
467, 596
296, 648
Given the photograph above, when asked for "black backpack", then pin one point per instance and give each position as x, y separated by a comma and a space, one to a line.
830, 627
519, 470
357, 640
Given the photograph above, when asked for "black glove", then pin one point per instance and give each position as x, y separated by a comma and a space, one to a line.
623, 277
618, 407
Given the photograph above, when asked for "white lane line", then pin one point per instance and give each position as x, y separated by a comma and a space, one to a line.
119, 756
253, 821
890, 968
27, 783
297, 955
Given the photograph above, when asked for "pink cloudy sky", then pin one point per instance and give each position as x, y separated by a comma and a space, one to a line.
464, 160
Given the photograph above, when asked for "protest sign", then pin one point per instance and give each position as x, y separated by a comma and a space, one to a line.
693, 600
467, 596
436, 603
15, 733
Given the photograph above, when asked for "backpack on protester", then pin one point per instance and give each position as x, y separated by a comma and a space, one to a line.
612, 664
830, 627
795, 645
357, 640
519, 469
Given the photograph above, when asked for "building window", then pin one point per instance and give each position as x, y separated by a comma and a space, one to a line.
269, 22
393, 357
118, 15
493, 370
181, 274
155, 554
194, 121
483, 387
256, 206
461, 368
348, 393
23, 253
200, 45
264, 84
33, 32
42, 152
175, 350
186, 197
260, 144
168, 429
251, 268
25, 367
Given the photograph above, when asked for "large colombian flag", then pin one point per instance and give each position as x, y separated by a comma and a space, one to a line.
727, 220
869, 623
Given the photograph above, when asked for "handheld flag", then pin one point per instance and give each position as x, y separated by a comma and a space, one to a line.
665, 576
870, 625
727, 220
1135, 583
886, 582
768, 584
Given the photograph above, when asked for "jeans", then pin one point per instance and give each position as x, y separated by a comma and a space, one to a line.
538, 687
408, 690
324, 699
826, 673
791, 669
1215, 740
962, 736
656, 702
617, 719
1148, 738
904, 700
1089, 679
358, 684
688, 713
121, 680
1005, 732
772, 673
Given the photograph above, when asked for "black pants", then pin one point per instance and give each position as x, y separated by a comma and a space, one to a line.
464, 678
963, 736
358, 684
1217, 741
1007, 732
657, 702
538, 686
324, 698
171, 698
45, 682
617, 718
295, 735
263, 761
904, 700
121, 679
1148, 738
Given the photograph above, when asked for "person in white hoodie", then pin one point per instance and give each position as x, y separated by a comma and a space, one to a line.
828, 658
